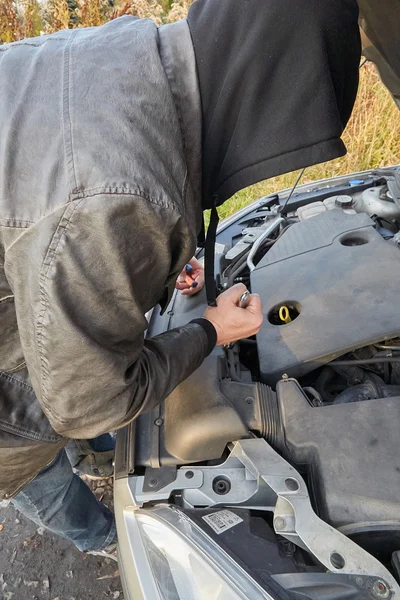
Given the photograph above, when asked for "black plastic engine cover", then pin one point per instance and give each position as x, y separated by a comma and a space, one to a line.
351, 454
343, 277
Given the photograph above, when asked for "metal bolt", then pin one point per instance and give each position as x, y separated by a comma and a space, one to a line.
221, 486
285, 376
249, 400
159, 422
279, 523
359, 581
380, 589
153, 482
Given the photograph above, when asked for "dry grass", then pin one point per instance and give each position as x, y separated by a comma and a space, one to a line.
32, 21
161, 12
372, 136
27, 18
10, 22
56, 15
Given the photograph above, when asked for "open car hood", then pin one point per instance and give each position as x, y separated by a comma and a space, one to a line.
380, 25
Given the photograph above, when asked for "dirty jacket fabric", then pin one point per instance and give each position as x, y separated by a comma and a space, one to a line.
99, 211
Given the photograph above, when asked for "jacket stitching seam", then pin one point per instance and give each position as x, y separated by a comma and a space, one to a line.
20, 366
12, 223
5, 375
184, 190
109, 191
176, 103
31, 435
20, 43
60, 232
67, 128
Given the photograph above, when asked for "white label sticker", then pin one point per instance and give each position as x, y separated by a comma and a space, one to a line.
222, 520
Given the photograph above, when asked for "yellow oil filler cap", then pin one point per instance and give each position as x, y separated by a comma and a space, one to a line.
284, 314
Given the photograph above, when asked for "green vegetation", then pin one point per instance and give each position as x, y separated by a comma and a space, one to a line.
372, 136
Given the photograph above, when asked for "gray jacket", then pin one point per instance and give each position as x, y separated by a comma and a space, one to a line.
99, 208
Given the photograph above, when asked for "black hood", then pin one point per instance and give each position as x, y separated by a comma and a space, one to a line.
278, 80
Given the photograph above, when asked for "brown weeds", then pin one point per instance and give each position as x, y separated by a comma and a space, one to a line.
161, 12
10, 22
56, 15
89, 12
32, 20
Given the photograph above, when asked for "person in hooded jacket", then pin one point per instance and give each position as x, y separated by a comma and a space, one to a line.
113, 140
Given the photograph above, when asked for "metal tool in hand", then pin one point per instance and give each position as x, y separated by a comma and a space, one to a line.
244, 299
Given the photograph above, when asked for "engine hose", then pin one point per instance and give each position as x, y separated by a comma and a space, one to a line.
239, 267
241, 263
268, 420
322, 383
367, 391
366, 361
352, 374
269, 425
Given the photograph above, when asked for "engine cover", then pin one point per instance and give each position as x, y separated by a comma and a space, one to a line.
341, 277
350, 453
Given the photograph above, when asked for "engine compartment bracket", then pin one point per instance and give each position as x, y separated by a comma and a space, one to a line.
152, 490
295, 519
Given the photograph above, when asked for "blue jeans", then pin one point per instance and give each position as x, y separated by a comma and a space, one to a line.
60, 501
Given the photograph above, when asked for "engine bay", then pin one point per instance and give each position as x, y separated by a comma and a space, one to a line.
314, 398
335, 277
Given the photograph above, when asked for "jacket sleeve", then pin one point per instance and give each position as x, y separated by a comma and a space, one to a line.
82, 319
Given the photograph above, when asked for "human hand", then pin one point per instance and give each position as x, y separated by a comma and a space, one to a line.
231, 322
190, 276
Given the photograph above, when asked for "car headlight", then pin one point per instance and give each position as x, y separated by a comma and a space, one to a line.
186, 564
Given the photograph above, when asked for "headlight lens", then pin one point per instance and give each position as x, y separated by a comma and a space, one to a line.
187, 564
